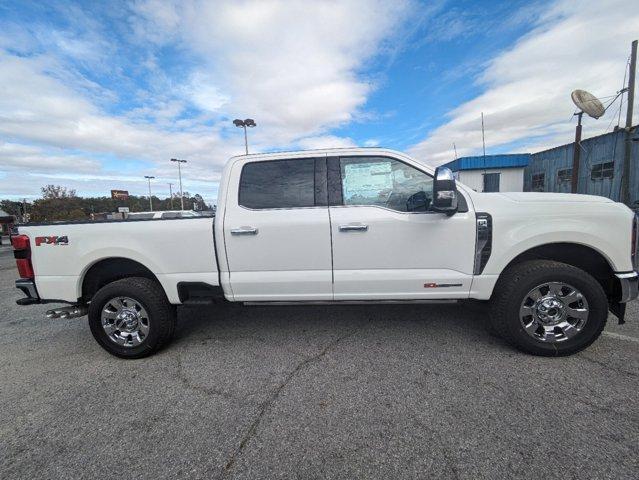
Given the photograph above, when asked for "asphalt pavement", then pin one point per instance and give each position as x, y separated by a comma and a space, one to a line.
388, 392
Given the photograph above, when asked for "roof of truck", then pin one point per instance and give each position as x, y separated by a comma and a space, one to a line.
324, 151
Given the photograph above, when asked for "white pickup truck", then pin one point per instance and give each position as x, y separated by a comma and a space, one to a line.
338, 226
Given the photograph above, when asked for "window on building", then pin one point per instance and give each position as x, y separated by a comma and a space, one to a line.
538, 182
602, 170
278, 184
491, 182
564, 175
385, 182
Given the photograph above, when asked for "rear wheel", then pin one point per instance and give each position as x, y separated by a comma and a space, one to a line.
548, 308
131, 318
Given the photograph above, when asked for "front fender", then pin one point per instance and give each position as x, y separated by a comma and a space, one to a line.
512, 237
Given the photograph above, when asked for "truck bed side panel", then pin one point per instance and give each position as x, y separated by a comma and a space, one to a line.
177, 250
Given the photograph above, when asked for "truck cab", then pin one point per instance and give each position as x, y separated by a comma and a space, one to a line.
352, 226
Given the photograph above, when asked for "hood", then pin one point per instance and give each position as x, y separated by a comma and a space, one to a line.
538, 197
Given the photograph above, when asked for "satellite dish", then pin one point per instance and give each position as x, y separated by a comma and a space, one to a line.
588, 103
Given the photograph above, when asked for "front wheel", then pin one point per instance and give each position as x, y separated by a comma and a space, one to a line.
548, 308
131, 318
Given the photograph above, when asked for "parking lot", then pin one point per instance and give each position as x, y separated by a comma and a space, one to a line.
313, 392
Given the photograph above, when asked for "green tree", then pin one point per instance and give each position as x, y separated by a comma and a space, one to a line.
56, 191
12, 208
61, 203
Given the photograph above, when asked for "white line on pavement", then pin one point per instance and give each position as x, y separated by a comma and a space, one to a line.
619, 336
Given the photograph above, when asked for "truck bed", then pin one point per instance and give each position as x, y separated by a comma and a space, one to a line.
174, 250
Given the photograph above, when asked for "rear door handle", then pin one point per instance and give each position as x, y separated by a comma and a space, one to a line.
244, 231
353, 227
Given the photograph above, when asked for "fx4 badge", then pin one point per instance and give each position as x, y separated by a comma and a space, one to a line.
52, 240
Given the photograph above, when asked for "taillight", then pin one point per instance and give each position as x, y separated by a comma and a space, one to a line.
20, 242
22, 254
635, 240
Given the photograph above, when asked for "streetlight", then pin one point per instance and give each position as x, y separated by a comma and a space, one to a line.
249, 122
180, 175
171, 194
149, 177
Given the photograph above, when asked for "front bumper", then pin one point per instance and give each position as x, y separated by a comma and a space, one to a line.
629, 286
29, 289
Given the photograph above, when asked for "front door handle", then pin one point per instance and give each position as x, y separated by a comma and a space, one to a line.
244, 231
353, 227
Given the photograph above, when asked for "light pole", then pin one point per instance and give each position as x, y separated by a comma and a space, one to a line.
178, 161
149, 177
249, 122
171, 194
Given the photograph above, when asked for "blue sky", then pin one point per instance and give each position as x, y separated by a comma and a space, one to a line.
98, 94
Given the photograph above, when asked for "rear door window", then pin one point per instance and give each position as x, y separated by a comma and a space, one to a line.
278, 184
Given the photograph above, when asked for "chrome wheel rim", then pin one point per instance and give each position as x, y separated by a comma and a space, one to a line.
553, 312
125, 321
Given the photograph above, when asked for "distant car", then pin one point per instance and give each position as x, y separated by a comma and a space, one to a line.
163, 215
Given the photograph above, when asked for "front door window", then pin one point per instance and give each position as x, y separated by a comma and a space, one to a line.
384, 182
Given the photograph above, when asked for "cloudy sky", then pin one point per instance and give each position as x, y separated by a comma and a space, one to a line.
95, 95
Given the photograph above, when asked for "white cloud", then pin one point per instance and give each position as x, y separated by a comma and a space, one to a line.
18, 157
291, 65
527, 87
325, 141
40, 109
294, 67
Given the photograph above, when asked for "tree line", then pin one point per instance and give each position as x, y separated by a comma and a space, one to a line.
60, 203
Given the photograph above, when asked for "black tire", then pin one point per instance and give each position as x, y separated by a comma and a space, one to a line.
514, 285
150, 295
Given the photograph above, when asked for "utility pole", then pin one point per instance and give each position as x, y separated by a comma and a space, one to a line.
149, 177
455, 148
171, 194
179, 162
576, 154
483, 138
625, 176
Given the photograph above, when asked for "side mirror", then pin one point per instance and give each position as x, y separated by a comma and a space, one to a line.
418, 202
444, 192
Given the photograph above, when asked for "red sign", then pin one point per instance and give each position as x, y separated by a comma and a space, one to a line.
119, 194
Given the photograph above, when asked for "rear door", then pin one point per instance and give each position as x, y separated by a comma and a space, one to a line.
277, 230
386, 244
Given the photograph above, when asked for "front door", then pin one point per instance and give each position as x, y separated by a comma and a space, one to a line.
386, 244
277, 230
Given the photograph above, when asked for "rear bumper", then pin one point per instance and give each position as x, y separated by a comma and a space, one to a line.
27, 286
629, 286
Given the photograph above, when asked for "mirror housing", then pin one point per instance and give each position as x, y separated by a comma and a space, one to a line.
444, 192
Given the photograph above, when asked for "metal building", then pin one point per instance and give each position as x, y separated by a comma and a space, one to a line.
600, 167
492, 173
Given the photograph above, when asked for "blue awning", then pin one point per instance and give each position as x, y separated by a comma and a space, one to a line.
515, 160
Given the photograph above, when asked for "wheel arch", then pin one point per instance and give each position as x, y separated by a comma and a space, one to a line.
578, 255
110, 269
